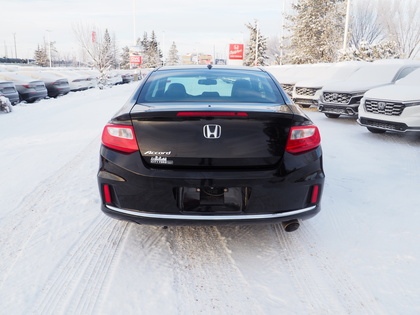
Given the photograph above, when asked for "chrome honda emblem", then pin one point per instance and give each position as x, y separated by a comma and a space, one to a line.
334, 96
381, 105
212, 131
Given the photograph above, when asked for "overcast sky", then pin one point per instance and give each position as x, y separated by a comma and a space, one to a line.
195, 26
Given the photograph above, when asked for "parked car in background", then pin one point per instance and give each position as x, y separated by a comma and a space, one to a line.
210, 145
343, 98
307, 92
77, 81
300, 72
126, 75
56, 86
29, 89
8, 89
91, 77
392, 108
113, 78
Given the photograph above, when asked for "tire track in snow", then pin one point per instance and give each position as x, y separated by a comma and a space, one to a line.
262, 261
75, 286
77, 283
206, 276
19, 228
324, 286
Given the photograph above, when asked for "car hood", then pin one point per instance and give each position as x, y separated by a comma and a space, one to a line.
399, 93
315, 83
351, 87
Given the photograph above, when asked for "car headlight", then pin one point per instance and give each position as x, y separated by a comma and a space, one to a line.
416, 103
355, 99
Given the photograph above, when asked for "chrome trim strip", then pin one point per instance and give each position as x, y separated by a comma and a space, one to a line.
208, 217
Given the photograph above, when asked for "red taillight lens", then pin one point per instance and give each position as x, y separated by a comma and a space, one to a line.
120, 137
107, 194
206, 114
302, 139
315, 193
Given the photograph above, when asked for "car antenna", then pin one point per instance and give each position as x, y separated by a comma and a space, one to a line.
209, 66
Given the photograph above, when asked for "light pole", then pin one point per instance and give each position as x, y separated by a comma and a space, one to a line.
49, 47
346, 26
256, 43
14, 37
134, 22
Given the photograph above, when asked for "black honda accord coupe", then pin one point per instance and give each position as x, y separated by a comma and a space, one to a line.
210, 145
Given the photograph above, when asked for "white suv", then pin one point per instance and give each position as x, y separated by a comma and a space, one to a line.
393, 107
307, 92
343, 98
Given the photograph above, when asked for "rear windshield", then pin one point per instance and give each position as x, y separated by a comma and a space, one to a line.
210, 85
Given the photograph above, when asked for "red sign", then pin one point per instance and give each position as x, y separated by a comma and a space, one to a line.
236, 51
136, 59
93, 36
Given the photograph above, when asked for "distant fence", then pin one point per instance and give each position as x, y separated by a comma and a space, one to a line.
16, 60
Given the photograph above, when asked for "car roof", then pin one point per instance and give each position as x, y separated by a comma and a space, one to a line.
202, 67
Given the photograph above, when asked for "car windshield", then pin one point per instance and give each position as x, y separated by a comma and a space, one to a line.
379, 73
210, 85
411, 79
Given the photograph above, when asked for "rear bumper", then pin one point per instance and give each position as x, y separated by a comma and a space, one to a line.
178, 197
34, 96
54, 91
13, 98
184, 219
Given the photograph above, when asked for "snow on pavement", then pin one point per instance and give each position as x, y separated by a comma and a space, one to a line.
60, 255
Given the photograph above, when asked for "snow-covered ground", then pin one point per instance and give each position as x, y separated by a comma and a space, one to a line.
60, 255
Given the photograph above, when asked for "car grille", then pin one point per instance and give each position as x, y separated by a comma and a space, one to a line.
386, 108
7, 90
287, 88
305, 91
384, 124
337, 98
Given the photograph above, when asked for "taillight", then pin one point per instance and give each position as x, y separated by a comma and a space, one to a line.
315, 193
206, 114
302, 139
107, 194
120, 137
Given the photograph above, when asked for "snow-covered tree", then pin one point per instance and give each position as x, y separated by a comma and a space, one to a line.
107, 49
125, 58
41, 56
151, 53
371, 52
154, 52
317, 29
256, 50
401, 20
365, 24
173, 58
98, 47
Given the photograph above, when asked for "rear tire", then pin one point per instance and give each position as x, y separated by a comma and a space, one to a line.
375, 130
332, 115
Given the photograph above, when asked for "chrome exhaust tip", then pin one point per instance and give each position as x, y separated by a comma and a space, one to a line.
290, 226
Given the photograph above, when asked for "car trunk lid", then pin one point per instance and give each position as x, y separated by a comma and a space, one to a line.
211, 137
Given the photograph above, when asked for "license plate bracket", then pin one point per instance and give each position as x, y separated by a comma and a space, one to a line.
212, 199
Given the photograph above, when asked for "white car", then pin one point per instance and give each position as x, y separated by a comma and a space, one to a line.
77, 81
343, 98
307, 92
302, 72
393, 107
